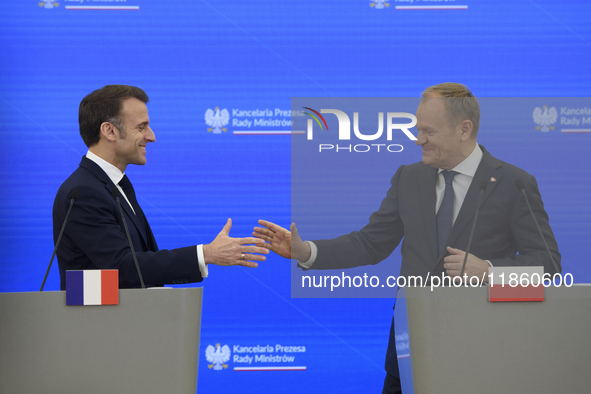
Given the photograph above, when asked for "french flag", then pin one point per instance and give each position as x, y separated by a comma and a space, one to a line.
92, 287
515, 284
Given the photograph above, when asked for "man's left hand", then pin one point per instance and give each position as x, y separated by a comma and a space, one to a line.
474, 265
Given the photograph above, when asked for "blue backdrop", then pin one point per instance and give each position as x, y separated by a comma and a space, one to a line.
249, 57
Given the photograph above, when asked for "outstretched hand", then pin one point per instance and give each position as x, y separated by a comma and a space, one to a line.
285, 243
225, 250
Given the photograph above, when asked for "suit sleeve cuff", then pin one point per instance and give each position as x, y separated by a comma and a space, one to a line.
201, 261
313, 253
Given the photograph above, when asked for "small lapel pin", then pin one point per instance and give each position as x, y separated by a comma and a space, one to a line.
493, 179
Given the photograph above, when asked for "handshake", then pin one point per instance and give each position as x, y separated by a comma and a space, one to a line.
224, 250
288, 244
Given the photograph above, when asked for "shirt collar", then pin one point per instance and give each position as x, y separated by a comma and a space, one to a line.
470, 163
114, 174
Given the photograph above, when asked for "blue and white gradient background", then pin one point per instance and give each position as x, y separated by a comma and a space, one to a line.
193, 55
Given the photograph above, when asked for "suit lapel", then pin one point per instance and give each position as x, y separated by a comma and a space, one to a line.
487, 170
428, 200
109, 185
131, 216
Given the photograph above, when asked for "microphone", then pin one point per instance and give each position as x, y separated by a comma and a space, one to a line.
73, 197
483, 185
521, 188
116, 194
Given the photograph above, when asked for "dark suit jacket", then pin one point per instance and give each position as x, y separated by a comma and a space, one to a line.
94, 237
504, 228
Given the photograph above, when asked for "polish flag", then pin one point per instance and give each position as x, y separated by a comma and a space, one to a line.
515, 284
92, 287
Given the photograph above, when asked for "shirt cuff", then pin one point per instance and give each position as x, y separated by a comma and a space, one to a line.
313, 253
485, 281
201, 261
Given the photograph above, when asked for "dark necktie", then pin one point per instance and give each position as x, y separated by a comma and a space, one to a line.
446, 210
130, 194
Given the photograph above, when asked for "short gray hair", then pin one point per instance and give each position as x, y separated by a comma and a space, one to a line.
461, 103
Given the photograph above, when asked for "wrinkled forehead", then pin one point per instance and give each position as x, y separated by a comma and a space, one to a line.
433, 109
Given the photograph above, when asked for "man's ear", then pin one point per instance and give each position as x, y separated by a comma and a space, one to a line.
108, 131
465, 129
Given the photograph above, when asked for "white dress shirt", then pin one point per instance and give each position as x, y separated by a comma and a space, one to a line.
461, 182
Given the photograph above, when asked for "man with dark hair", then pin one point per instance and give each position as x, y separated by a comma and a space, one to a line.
115, 126
431, 205
105, 105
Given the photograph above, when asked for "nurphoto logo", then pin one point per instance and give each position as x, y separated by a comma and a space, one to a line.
345, 124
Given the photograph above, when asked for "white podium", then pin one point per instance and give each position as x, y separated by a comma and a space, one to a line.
149, 343
462, 344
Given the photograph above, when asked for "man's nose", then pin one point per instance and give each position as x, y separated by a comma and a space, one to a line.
420, 138
150, 136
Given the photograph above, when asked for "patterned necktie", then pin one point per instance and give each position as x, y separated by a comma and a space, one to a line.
130, 194
446, 210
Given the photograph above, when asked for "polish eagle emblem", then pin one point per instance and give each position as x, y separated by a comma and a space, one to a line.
544, 118
379, 4
217, 119
217, 356
48, 4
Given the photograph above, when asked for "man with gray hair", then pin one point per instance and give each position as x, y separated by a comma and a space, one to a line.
430, 208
